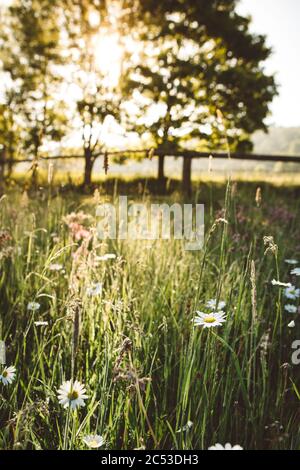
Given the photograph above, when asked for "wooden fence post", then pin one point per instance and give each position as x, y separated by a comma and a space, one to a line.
187, 175
2, 164
161, 173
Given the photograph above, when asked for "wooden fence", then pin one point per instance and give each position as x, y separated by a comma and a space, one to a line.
186, 155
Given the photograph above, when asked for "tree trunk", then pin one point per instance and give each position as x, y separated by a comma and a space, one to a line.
10, 158
161, 173
89, 163
9, 169
186, 176
1, 173
2, 170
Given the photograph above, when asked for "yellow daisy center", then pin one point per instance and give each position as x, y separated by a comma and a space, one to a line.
93, 443
210, 319
5, 373
73, 395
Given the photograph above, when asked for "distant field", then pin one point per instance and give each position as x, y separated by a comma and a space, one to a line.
275, 173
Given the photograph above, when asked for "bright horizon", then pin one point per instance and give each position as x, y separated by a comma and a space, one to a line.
279, 21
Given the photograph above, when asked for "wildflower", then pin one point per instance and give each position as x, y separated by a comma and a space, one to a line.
186, 427
94, 441
226, 447
280, 214
291, 261
281, 284
8, 375
54, 237
258, 197
217, 222
72, 394
221, 220
55, 267
290, 308
41, 323
79, 217
270, 245
6, 248
292, 324
106, 257
33, 306
292, 293
296, 272
78, 225
212, 304
79, 232
265, 344
94, 290
241, 215
209, 320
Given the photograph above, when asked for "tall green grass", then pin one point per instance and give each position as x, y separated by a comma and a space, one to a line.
147, 369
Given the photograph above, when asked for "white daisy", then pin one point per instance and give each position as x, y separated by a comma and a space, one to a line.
94, 441
296, 272
281, 284
8, 375
106, 257
94, 290
33, 306
209, 320
72, 394
292, 324
291, 261
292, 293
55, 267
226, 447
212, 304
186, 427
290, 308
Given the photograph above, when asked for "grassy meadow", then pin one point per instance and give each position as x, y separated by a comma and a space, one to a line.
122, 324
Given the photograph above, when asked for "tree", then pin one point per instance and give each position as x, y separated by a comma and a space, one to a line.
8, 131
96, 98
166, 102
32, 58
96, 105
198, 57
9, 128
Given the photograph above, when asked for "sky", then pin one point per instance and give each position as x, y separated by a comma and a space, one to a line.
279, 20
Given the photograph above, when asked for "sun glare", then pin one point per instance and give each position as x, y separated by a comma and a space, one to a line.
94, 19
108, 56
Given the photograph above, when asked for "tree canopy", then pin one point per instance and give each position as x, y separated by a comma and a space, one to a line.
192, 74
199, 57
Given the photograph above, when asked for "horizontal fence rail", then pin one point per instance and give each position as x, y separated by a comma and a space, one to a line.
157, 153
186, 155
